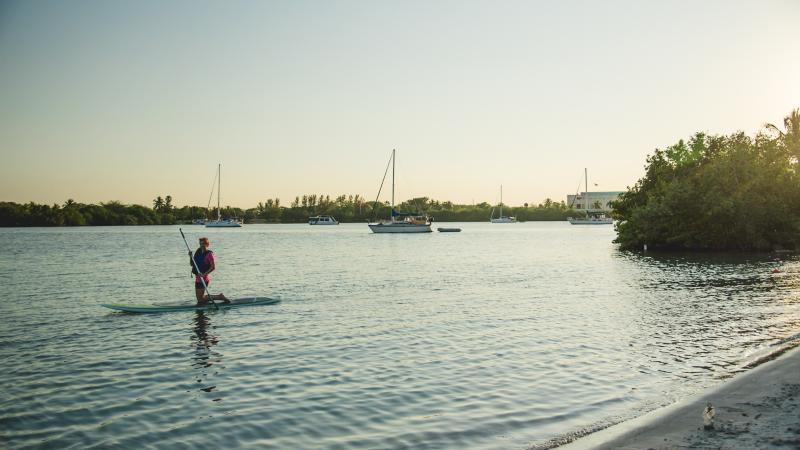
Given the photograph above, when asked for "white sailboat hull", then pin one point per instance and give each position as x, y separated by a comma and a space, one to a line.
594, 221
223, 224
504, 220
398, 227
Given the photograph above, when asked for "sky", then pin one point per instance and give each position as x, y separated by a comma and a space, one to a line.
119, 100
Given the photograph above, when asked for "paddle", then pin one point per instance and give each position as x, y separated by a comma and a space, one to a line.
194, 263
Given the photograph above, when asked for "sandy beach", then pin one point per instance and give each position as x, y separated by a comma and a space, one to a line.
757, 409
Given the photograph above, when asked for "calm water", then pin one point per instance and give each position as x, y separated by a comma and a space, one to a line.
502, 336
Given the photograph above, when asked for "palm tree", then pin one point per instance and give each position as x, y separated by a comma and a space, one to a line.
791, 137
158, 203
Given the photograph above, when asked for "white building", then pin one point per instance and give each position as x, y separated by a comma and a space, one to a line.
599, 202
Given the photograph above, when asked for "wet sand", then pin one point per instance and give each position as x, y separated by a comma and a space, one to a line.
757, 409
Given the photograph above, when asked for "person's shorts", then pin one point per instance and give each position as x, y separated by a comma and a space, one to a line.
199, 284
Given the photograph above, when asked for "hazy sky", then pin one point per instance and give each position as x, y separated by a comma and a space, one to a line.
127, 100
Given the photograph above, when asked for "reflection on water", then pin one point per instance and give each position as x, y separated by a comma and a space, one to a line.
700, 312
204, 358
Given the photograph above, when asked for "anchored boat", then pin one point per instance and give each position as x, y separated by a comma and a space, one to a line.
591, 218
220, 222
502, 218
322, 220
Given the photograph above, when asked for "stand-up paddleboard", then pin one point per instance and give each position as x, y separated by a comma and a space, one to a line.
237, 303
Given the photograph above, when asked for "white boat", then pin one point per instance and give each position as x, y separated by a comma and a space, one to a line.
601, 219
401, 222
322, 220
502, 218
231, 222
220, 222
590, 219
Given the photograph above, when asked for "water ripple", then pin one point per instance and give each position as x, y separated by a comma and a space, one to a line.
499, 337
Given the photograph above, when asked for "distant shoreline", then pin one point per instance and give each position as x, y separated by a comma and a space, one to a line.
254, 222
352, 209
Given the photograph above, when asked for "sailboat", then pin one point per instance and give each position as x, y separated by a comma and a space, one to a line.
502, 218
220, 222
597, 219
401, 222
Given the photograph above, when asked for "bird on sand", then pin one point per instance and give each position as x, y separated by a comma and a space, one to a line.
708, 417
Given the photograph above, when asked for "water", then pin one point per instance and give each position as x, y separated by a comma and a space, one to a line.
502, 336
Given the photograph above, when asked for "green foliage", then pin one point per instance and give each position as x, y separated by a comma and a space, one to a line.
717, 193
346, 208
74, 214
449, 212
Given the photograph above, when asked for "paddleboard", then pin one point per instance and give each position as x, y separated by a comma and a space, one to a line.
236, 303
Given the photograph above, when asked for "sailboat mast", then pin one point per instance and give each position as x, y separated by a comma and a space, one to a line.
219, 184
501, 201
586, 176
393, 161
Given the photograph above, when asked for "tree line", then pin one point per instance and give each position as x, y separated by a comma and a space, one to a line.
72, 213
718, 192
346, 208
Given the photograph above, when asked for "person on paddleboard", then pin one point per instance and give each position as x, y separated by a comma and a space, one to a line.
204, 260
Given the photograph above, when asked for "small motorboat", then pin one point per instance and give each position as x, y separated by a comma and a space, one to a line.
322, 220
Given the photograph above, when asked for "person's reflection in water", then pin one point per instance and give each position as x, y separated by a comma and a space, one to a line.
203, 340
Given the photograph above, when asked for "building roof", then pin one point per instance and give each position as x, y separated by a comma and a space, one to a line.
593, 193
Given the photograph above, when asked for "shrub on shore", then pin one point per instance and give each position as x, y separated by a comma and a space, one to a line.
731, 192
